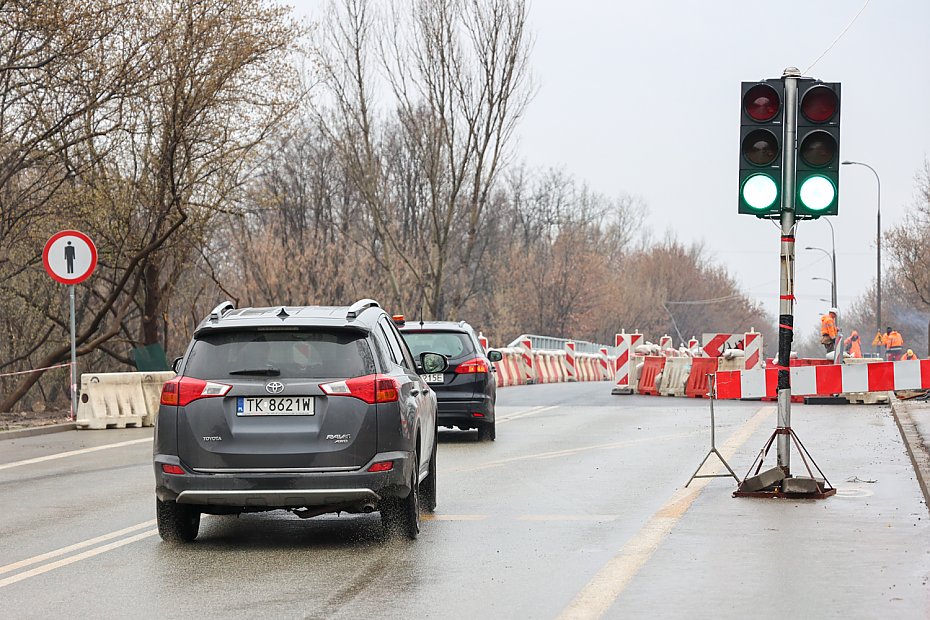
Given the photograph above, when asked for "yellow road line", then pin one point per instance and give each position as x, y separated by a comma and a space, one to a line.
600, 593
62, 455
81, 545
74, 558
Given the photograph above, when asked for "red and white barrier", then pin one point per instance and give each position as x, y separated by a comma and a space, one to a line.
625, 344
715, 344
826, 380
752, 345
604, 365
528, 370
570, 361
665, 344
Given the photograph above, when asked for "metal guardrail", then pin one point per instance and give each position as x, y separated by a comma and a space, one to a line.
551, 343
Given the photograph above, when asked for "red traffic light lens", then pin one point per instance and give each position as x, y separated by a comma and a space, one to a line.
819, 104
760, 147
761, 103
818, 149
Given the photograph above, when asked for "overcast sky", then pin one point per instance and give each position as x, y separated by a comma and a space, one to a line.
643, 98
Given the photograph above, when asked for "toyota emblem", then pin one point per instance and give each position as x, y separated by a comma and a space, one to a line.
274, 387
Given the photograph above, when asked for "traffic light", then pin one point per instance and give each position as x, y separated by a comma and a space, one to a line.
818, 155
761, 138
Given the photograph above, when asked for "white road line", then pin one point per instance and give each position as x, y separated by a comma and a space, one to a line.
598, 518
74, 558
522, 414
81, 545
435, 517
568, 452
597, 597
62, 455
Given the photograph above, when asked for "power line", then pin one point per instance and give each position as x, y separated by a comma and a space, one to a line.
839, 36
696, 302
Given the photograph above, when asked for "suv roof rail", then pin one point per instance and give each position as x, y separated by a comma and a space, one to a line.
221, 309
360, 306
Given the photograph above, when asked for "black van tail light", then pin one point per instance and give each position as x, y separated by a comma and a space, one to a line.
472, 366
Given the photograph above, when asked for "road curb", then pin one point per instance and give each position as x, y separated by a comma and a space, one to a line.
917, 450
38, 430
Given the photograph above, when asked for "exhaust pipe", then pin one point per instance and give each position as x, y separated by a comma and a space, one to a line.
367, 508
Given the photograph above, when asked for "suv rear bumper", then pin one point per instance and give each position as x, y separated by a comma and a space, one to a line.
286, 489
451, 412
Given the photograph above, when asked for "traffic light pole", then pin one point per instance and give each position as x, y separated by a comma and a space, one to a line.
786, 297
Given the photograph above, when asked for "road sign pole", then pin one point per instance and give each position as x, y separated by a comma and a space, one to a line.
786, 298
74, 375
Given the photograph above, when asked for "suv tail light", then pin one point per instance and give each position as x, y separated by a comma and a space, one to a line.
182, 391
476, 365
370, 389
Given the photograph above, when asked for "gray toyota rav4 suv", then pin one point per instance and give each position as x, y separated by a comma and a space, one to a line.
307, 409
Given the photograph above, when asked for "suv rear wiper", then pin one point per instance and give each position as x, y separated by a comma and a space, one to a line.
271, 372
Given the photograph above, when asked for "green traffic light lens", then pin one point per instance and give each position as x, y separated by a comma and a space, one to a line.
760, 191
817, 193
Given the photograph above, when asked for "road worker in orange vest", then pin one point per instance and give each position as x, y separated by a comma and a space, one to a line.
893, 343
828, 330
910, 355
852, 344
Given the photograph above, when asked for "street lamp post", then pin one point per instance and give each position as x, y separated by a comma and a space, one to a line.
832, 289
833, 265
878, 243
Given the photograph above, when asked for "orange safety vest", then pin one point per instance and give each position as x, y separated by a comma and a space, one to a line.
853, 345
893, 339
910, 357
828, 326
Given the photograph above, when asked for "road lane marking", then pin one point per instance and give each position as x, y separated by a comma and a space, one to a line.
74, 558
62, 455
596, 598
567, 452
525, 414
81, 545
598, 518
435, 517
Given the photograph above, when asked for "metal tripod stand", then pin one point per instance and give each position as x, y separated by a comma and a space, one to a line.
712, 384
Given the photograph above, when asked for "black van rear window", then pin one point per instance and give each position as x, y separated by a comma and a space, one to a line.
288, 354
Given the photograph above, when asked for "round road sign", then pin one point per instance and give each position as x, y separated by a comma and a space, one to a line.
70, 257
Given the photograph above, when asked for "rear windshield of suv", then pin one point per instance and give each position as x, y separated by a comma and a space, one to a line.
293, 354
450, 344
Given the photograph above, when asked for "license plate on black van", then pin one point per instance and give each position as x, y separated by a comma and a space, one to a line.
274, 405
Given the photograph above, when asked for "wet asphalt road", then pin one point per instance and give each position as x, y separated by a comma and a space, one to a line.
576, 510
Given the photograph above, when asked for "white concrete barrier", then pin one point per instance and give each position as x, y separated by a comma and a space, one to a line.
674, 377
120, 399
152, 383
111, 400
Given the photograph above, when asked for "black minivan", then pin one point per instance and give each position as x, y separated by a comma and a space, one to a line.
467, 389
307, 409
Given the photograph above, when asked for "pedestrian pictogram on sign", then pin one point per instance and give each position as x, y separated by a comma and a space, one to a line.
70, 257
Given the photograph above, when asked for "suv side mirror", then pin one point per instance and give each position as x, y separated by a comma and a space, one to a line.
495, 356
433, 363
176, 364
